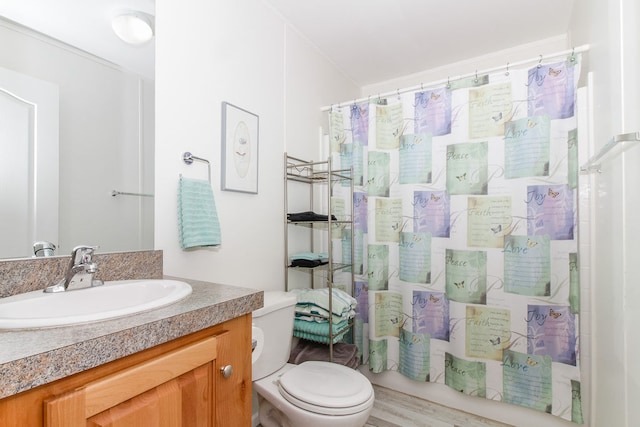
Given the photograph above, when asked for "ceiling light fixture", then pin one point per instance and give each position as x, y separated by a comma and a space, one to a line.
133, 27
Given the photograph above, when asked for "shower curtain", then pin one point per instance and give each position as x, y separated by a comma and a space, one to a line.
465, 224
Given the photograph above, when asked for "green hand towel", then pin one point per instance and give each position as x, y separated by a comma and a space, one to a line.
197, 216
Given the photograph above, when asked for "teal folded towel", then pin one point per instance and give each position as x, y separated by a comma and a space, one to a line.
325, 339
316, 301
197, 216
319, 332
318, 328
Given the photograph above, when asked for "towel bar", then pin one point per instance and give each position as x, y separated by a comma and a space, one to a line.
115, 193
593, 164
189, 158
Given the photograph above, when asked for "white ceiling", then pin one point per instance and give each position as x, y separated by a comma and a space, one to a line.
376, 40
371, 41
86, 24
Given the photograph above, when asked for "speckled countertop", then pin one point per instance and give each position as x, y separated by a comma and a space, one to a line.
31, 358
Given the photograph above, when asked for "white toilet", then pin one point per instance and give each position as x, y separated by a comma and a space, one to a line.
312, 394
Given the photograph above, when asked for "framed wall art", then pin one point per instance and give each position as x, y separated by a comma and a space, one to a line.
239, 149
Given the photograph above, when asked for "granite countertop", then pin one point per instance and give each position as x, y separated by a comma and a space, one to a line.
30, 358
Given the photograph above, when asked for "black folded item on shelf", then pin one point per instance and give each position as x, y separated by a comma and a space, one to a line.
309, 216
307, 263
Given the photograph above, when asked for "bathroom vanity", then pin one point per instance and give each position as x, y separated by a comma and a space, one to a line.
187, 364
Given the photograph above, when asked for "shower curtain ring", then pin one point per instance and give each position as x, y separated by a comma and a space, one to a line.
448, 83
540, 62
476, 79
507, 72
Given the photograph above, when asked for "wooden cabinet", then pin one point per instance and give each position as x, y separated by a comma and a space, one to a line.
180, 383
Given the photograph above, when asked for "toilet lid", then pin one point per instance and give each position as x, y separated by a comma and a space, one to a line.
326, 388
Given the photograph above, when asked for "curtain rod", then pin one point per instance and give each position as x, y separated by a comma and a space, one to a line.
421, 86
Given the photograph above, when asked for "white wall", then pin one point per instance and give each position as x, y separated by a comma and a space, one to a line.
311, 82
242, 52
612, 30
103, 140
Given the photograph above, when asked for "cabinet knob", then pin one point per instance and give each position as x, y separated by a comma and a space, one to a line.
226, 371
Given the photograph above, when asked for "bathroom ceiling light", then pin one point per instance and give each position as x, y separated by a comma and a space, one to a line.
133, 27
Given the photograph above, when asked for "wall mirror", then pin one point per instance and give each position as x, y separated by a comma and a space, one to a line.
105, 130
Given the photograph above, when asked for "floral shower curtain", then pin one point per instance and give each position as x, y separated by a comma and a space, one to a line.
465, 222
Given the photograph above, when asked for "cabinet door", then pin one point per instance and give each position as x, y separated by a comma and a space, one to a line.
159, 392
182, 402
233, 394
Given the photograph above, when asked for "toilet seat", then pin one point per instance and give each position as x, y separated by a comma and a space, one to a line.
326, 388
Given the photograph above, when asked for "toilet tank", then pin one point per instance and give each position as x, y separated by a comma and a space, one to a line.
273, 329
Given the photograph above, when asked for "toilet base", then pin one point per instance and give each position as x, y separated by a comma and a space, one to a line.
276, 411
270, 416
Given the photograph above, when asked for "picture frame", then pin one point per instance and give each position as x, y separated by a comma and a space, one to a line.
239, 149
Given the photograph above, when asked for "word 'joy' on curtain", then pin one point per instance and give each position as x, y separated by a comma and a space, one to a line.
465, 243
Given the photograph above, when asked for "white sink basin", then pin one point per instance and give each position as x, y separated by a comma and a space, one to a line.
38, 309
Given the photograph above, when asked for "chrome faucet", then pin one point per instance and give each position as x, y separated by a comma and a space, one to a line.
43, 249
80, 271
